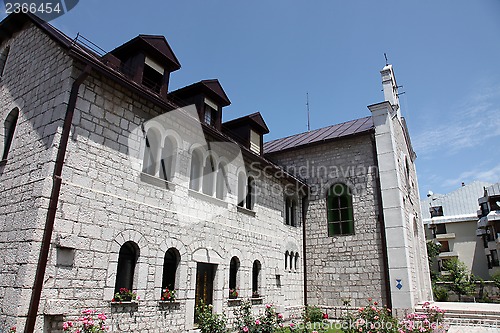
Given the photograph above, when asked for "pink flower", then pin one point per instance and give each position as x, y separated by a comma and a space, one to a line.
245, 329
257, 322
268, 306
280, 316
102, 316
292, 325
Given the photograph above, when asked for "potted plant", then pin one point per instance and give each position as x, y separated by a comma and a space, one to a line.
233, 294
124, 295
168, 295
255, 294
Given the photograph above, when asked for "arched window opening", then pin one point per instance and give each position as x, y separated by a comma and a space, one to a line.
208, 176
286, 260
288, 210
151, 152
257, 267
3, 59
234, 267
170, 264
296, 260
242, 189
168, 153
127, 260
250, 199
9, 129
339, 211
291, 260
293, 212
221, 187
196, 168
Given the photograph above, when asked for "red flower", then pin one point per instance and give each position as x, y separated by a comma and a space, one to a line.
113, 300
325, 315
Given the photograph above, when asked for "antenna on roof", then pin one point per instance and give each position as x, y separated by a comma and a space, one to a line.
308, 115
386, 61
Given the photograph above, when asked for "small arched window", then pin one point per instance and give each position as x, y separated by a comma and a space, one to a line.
234, 267
9, 129
242, 189
151, 152
339, 210
127, 260
208, 176
291, 260
286, 259
291, 211
296, 260
167, 161
256, 268
170, 265
221, 187
3, 59
250, 199
196, 170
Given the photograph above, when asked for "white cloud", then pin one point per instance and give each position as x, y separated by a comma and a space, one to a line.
491, 175
471, 124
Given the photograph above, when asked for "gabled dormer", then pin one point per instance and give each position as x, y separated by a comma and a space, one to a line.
148, 60
248, 130
209, 98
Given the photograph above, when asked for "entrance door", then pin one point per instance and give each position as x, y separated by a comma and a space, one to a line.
205, 274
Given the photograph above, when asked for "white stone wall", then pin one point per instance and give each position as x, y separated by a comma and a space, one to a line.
349, 266
37, 81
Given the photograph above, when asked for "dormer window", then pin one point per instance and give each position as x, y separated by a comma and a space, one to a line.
210, 112
152, 77
255, 142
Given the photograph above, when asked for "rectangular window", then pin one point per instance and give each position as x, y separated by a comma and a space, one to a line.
339, 211
494, 258
445, 246
436, 211
152, 77
255, 142
440, 229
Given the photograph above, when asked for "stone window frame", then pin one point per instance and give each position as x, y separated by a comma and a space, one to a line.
342, 208
160, 152
234, 273
291, 204
256, 279
3, 59
128, 281
9, 129
170, 269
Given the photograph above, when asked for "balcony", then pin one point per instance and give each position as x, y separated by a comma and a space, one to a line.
446, 255
483, 222
447, 236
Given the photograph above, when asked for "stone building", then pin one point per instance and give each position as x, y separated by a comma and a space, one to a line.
451, 222
110, 180
488, 226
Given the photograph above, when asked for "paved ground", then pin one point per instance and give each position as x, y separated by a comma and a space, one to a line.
469, 329
490, 312
469, 307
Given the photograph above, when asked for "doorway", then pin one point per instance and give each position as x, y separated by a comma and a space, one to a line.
205, 274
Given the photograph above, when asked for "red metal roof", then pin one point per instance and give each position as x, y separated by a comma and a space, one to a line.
348, 128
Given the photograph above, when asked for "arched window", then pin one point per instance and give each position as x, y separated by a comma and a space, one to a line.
234, 267
127, 259
257, 267
296, 260
151, 152
168, 153
250, 199
196, 168
291, 260
291, 211
9, 129
208, 176
221, 188
170, 265
3, 59
286, 259
242, 189
339, 210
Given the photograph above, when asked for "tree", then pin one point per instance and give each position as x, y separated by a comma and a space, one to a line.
462, 282
432, 252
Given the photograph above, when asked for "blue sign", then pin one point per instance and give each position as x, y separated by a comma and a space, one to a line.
399, 285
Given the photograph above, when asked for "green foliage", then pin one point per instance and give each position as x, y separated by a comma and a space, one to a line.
432, 251
429, 322
440, 293
370, 318
210, 322
496, 279
245, 322
462, 282
312, 314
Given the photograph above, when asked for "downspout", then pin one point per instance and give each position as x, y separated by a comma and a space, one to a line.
381, 220
54, 200
305, 202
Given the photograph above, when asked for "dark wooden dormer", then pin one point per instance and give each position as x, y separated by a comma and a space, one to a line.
248, 130
148, 60
209, 98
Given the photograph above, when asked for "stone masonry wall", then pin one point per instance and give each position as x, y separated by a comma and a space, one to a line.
37, 81
340, 267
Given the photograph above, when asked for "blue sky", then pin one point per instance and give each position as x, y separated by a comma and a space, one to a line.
268, 54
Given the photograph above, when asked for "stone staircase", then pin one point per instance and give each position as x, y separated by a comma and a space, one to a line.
480, 315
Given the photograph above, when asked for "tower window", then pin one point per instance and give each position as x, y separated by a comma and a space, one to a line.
339, 211
152, 77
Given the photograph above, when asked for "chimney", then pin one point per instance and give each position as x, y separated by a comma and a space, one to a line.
390, 87
463, 184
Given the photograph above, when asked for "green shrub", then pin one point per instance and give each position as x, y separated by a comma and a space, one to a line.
368, 318
210, 322
440, 293
496, 279
312, 314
